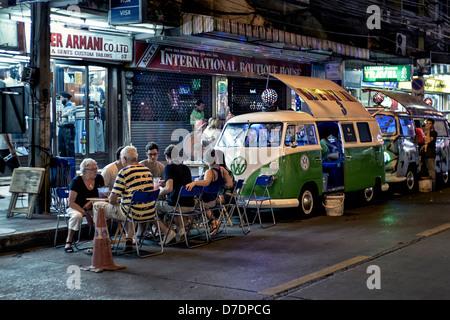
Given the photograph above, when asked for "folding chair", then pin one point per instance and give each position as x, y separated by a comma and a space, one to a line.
213, 193
142, 199
236, 202
62, 203
197, 218
262, 181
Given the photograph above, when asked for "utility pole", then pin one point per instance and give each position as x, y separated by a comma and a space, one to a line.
39, 129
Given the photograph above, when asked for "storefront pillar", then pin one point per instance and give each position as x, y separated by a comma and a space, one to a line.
39, 139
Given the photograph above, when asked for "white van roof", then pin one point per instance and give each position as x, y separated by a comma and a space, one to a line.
413, 105
275, 116
323, 97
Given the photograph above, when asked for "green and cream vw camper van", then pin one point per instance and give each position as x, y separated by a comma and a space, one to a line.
287, 145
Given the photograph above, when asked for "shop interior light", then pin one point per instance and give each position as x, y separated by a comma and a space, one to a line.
136, 29
20, 18
12, 52
8, 60
95, 23
65, 19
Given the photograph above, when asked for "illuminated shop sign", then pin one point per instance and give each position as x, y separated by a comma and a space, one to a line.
387, 73
431, 85
151, 56
74, 43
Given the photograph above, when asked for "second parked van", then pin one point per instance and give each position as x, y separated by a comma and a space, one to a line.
398, 128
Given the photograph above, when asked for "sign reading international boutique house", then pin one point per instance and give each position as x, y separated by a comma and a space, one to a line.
151, 56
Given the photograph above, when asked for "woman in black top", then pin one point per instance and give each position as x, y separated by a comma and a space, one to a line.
82, 187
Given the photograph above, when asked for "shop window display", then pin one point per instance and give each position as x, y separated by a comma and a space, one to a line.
80, 113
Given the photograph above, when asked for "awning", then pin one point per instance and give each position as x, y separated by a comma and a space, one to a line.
325, 98
226, 36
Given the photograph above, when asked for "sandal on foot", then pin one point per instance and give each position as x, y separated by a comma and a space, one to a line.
214, 227
68, 249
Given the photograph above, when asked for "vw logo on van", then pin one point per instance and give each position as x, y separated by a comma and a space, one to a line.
304, 162
238, 165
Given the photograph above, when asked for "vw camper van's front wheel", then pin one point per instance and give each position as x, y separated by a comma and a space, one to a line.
306, 201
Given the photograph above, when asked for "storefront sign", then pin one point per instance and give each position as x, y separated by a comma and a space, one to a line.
183, 59
74, 43
387, 73
430, 85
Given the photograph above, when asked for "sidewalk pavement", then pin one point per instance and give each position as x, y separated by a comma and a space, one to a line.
20, 234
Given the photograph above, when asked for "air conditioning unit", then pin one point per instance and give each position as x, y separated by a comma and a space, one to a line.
400, 42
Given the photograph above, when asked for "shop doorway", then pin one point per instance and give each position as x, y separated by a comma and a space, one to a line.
81, 111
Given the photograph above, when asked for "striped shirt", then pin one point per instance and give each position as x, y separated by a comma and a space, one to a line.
130, 179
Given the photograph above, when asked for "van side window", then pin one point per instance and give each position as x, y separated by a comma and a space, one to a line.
349, 132
303, 134
364, 132
407, 127
311, 133
440, 128
264, 135
386, 123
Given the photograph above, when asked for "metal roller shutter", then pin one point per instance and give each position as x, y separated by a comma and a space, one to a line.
161, 103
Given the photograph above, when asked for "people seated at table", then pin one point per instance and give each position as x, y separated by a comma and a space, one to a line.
82, 187
156, 167
110, 171
176, 175
133, 177
216, 175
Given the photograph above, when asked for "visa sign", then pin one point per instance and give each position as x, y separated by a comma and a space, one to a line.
387, 73
125, 11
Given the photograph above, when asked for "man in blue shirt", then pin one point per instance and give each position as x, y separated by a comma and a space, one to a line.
176, 175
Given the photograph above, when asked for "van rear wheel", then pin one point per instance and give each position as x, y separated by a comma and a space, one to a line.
445, 177
410, 182
306, 201
368, 194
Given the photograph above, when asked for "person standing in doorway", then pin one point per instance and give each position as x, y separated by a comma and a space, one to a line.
66, 134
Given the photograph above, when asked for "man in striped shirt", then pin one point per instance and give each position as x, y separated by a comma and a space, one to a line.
133, 177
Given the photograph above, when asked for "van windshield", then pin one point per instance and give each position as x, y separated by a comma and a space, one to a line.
233, 135
407, 127
259, 135
387, 124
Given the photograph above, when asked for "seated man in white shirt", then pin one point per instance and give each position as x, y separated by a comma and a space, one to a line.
111, 170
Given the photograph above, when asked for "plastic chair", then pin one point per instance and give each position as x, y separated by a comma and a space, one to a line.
235, 203
262, 181
142, 198
213, 192
62, 203
197, 218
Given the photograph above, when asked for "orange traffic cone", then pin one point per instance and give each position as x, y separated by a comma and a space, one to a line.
102, 258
